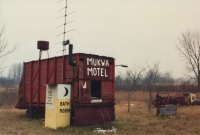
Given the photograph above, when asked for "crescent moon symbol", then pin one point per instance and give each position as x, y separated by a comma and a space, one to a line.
66, 92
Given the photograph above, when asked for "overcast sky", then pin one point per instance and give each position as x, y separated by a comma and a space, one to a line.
131, 31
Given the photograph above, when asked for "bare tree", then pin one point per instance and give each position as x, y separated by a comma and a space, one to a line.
134, 76
127, 82
151, 77
15, 72
118, 82
19, 72
5, 82
166, 78
4, 49
189, 48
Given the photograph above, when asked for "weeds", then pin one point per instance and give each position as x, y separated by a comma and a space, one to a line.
8, 98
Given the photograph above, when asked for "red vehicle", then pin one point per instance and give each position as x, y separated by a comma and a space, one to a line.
90, 76
179, 98
163, 100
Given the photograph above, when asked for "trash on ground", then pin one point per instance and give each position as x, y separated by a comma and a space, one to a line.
100, 130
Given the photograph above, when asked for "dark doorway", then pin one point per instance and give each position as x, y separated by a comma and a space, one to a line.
96, 89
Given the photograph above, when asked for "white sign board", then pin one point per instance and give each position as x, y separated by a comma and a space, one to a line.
60, 91
50, 96
168, 110
96, 101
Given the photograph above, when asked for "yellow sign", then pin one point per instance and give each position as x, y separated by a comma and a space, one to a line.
57, 113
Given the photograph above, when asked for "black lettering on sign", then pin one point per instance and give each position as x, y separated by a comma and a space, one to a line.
64, 110
171, 108
50, 93
168, 108
64, 103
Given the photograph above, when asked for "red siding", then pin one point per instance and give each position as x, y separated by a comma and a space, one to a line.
37, 74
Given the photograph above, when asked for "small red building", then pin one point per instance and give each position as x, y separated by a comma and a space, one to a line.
91, 78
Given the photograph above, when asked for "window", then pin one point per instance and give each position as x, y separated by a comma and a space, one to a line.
96, 89
193, 97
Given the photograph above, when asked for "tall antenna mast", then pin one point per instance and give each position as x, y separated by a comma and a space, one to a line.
64, 42
64, 47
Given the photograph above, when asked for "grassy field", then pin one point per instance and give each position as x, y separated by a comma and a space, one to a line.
138, 121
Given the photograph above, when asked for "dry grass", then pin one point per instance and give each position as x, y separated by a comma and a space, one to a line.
13, 121
140, 96
8, 98
138, 121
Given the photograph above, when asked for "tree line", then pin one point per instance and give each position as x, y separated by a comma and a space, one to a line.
150, 78
13, 77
